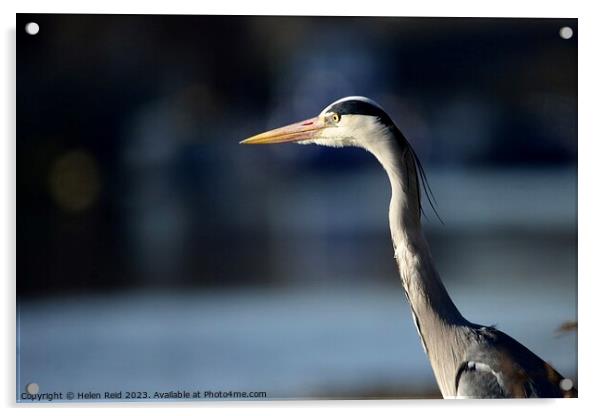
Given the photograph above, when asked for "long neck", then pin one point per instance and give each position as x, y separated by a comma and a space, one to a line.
436, 317
427, 294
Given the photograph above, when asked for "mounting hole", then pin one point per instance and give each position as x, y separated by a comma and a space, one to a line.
566, 32
32, 28
566, 384
32, 388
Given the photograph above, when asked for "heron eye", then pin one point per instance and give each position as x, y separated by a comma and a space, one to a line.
335, 117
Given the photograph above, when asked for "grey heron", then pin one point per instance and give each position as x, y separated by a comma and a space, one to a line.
468, 360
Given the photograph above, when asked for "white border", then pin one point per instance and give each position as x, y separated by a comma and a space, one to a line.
590, 152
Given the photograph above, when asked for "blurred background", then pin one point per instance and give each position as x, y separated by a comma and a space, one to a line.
155, 253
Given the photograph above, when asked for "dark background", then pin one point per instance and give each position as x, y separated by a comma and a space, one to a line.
132, 188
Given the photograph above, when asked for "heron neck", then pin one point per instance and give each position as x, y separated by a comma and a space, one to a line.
426, 293
435, 314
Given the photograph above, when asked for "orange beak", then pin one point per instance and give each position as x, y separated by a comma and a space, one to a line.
296, 132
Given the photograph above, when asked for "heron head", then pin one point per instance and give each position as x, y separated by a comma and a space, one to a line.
350, 121
359, 122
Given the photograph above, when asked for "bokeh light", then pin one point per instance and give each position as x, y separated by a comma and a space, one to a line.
74, 181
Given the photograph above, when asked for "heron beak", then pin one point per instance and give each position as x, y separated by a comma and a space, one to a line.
296, 132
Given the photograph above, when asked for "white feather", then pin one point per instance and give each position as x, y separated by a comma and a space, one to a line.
354, 130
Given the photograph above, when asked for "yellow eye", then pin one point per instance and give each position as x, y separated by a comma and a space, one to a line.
335, 117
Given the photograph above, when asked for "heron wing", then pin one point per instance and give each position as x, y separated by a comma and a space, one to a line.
498, 366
